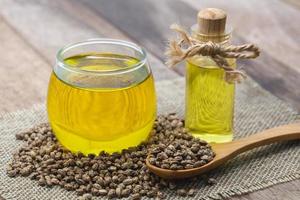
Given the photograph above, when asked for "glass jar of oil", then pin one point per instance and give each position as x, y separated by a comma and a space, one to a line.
101, 96
209, 98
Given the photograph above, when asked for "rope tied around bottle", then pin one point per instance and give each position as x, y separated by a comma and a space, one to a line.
187, 46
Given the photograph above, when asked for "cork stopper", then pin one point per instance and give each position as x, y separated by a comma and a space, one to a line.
211, 21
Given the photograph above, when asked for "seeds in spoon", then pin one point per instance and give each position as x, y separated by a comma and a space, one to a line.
181, 154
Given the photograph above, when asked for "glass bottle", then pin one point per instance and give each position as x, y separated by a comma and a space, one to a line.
209, 98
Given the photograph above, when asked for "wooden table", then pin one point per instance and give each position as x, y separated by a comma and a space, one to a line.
31, 31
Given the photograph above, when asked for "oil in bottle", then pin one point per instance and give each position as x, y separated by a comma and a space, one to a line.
209, 98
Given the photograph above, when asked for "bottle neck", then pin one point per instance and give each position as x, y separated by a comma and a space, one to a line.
223, 38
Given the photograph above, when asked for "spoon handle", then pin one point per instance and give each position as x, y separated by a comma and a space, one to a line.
281, 133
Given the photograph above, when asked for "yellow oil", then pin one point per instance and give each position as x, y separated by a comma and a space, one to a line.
92, 119
209, 100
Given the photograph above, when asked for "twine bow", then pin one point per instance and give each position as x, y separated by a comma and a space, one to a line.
187, 47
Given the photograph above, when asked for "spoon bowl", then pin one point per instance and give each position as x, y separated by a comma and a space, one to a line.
228, 150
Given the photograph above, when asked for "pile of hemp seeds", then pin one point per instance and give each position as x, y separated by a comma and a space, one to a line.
116, 175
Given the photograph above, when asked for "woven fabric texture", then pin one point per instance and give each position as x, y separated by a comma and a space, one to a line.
255, 110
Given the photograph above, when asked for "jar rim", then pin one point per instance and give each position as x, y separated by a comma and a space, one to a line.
61, 63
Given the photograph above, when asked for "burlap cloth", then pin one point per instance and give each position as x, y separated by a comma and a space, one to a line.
256, 110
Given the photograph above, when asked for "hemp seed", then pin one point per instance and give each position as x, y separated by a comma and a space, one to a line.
116, 175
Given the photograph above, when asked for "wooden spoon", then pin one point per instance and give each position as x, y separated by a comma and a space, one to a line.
226, 151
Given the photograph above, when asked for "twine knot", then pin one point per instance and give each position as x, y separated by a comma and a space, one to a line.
188, 46
209, 49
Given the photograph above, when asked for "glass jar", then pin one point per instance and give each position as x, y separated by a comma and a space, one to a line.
101, 96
